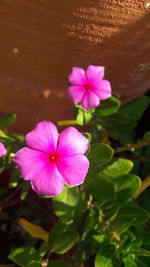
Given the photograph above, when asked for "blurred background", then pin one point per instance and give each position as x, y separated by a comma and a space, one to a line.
41, 40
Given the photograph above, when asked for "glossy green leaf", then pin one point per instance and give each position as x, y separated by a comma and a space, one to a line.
24, 256
62, 238
128, 262
126, 186
135, 108
99, 238
65, 202
120, 126
117, 167
128, 215
43, 249
135, 213
99, 154
100, 187
104, 256
108, 107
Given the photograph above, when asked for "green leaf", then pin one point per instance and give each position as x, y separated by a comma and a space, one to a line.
135, 108
142, 252
108, 107
58, 263
128, 215
83, 117
119, 122
65, 202
128, 262
140, 263
99, 238
99, 154
5, 137
23, 256
24, 189
35, 263
126, 186
100, 187
117, 167
104, 256
90, 222
145, 237
146, 136
120, 126
43, 249
14, 178
132, 212
7, 120
80, 117
62, 237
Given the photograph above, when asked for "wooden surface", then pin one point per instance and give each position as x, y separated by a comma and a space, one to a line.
40, 41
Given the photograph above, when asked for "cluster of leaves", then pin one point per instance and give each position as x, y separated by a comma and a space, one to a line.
102, 223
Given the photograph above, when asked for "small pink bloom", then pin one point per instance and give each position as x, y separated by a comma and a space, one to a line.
2, 150
88, 87
50, 161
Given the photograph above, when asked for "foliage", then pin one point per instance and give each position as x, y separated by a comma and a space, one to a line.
103, 222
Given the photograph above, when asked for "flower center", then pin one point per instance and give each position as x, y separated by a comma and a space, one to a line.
88, 86
53, 157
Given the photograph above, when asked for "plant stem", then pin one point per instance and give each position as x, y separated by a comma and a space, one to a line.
140, 158
10, 196
67, 123
132, 147
144, 185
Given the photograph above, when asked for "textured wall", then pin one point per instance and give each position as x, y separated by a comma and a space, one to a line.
40, 41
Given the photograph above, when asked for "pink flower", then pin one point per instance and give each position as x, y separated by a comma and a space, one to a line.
50, 161
88, 87
2, 150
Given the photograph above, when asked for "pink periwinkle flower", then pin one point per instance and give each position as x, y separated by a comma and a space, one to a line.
2, 150
88, 87
50, 160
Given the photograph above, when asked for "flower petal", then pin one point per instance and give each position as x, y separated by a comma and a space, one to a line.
73, 169
49, 181
94, 73
77, 76
2, 150
90, 100
30, 162
72, 142
102, 89
43, 137
76, 93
